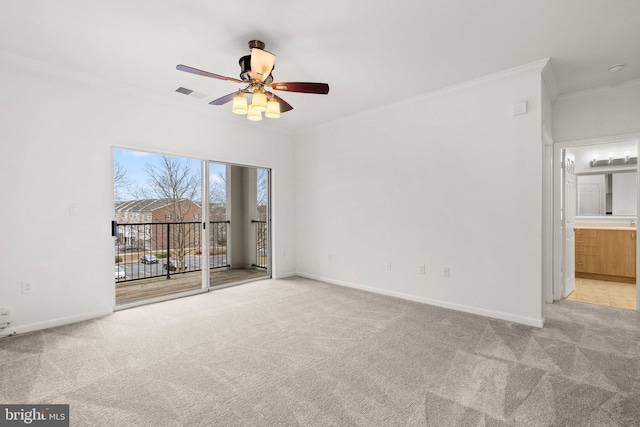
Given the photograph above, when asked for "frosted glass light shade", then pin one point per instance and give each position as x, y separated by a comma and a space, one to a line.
259, 101
273, 109
239, 105
253, 114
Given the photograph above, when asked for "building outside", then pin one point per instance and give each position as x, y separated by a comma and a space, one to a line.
141, 223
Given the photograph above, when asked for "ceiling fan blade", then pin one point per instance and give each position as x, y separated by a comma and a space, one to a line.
261, 64
205, 73
320, 88
284, 105
223, 100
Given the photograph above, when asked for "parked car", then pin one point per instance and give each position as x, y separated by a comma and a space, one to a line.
120, 272
149, 259
173, 265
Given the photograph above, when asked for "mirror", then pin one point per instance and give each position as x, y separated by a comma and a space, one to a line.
612, 194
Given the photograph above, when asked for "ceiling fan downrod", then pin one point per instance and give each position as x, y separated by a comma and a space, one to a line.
256, 44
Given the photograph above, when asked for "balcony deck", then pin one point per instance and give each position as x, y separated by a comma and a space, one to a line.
139, 290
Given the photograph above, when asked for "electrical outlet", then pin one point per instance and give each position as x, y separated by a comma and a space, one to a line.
421, 269
27, 287
447, 272
389, 266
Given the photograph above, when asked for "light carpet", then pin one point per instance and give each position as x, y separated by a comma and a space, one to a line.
298, 352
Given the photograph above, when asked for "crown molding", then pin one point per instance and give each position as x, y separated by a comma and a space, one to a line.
502, 76
599, 91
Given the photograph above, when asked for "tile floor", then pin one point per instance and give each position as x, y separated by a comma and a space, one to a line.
600, 292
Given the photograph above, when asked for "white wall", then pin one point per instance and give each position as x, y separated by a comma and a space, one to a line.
447, 180
241, 210
57, 135
597, 113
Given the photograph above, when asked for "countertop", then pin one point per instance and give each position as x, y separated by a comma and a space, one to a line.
605, 227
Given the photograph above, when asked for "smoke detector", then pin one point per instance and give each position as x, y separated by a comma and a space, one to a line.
616, 68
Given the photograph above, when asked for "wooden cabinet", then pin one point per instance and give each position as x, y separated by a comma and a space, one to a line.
585, 251
610, 253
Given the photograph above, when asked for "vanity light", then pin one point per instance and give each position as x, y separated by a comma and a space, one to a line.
611, 161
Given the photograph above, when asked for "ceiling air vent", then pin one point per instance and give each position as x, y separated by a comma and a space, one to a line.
184, 90
190, 92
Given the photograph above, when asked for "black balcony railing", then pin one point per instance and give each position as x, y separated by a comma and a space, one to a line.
157, 249
218, 244
261, 244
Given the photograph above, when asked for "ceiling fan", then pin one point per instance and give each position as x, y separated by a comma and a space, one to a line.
256, 74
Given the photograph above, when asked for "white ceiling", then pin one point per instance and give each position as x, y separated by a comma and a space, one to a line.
370, 53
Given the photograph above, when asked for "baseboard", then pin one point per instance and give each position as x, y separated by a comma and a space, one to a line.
54, 323
284, 275
538, 323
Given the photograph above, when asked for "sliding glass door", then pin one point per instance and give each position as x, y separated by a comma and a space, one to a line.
239, 233
184, 225
158, 232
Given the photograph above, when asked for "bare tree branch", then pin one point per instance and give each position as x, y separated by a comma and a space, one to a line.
261, 199
173, 181
121, 180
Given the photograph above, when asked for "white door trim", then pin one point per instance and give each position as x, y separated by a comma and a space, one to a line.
554, 197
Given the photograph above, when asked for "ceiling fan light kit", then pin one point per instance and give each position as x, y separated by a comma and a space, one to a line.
259, 102
254, 115
273, 109
256, 74
239, 105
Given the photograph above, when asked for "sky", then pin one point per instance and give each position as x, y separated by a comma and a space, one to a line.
134, 163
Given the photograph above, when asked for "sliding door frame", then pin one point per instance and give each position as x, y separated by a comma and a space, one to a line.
206, 228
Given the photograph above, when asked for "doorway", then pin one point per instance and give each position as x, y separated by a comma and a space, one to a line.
596, 250
184, 226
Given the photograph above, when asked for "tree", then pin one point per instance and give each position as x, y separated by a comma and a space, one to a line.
218, 197
261, 197
261, 208
121, 180
175, 182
